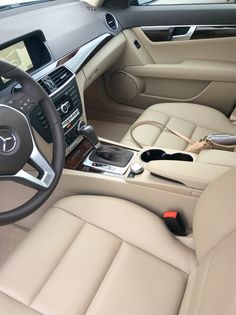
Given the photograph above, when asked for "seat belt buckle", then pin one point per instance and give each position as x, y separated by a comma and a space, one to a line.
174, 222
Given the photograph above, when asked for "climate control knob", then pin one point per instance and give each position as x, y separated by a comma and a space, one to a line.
65, 108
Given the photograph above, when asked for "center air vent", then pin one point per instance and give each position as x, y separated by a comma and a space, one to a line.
48, 85
55, 79
60, 76
111, 22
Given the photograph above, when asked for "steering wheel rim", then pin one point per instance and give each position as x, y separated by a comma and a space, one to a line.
33, 89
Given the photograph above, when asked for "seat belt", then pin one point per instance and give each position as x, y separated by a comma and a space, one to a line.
213, 141
159, 125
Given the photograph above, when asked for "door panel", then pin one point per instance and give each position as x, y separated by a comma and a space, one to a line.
178, 51
203, 32
177, 33
184, 14
177, 69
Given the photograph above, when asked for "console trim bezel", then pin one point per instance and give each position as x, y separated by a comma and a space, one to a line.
110, 169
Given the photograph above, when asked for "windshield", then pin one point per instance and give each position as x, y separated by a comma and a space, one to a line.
10, 4
165, 2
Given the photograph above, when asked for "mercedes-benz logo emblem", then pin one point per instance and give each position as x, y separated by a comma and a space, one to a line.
7, 141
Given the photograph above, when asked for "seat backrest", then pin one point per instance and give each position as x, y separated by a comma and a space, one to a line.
215, 214
211, 287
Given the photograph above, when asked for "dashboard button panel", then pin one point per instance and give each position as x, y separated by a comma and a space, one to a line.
68, 104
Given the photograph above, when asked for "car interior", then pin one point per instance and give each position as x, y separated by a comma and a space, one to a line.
117, 157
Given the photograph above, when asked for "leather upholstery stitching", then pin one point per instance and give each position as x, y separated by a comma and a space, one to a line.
192, 133
167, 122
202, 288
190, 137
58, 263
194, 130
184, 291
115, 261
221, 241
67, 211
190, 122
106, 273
124, 241
25, 305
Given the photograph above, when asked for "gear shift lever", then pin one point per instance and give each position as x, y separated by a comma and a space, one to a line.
104, 154
89, 133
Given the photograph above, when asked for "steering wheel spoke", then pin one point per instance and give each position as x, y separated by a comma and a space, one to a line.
45, 176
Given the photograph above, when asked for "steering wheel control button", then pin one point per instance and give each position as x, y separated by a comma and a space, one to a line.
25, 104
7, 141
22, 103
137, 168
10, 102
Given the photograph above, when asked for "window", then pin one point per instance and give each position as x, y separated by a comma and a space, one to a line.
166, 2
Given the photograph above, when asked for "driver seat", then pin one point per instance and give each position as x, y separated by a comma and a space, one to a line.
102, 255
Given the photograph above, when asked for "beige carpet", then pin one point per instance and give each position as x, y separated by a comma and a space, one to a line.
109, 130
10, 237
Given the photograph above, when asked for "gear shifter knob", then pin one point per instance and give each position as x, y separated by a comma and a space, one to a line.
89, 133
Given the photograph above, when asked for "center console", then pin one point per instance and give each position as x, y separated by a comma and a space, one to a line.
80, 159
166, 169
96, 156
62, 88
68, 105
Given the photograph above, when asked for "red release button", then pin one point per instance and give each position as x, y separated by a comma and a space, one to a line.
170, 214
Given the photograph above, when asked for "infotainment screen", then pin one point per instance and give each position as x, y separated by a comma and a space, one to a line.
27, 52
18, 55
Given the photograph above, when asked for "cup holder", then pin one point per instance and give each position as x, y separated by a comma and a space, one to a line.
155, 154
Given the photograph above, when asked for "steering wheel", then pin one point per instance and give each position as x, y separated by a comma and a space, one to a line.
18, 146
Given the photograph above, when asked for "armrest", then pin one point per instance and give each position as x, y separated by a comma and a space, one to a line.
217, 157
194, 175
189, 69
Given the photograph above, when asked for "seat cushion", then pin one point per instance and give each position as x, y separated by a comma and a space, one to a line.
192, 120
96, 255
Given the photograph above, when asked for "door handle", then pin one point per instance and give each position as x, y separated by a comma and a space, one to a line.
185, 36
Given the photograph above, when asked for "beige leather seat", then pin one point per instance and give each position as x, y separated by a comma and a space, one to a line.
192, 120
103, 256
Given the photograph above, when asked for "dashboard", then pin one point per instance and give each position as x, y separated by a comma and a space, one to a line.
65, 24
53, 41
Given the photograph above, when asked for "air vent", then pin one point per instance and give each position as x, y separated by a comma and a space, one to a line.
48, 85
60, 76
55, 79
111, 22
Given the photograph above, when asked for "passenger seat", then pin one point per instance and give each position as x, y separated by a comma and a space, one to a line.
192, 120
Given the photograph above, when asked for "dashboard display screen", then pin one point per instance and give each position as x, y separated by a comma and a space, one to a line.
18, 55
